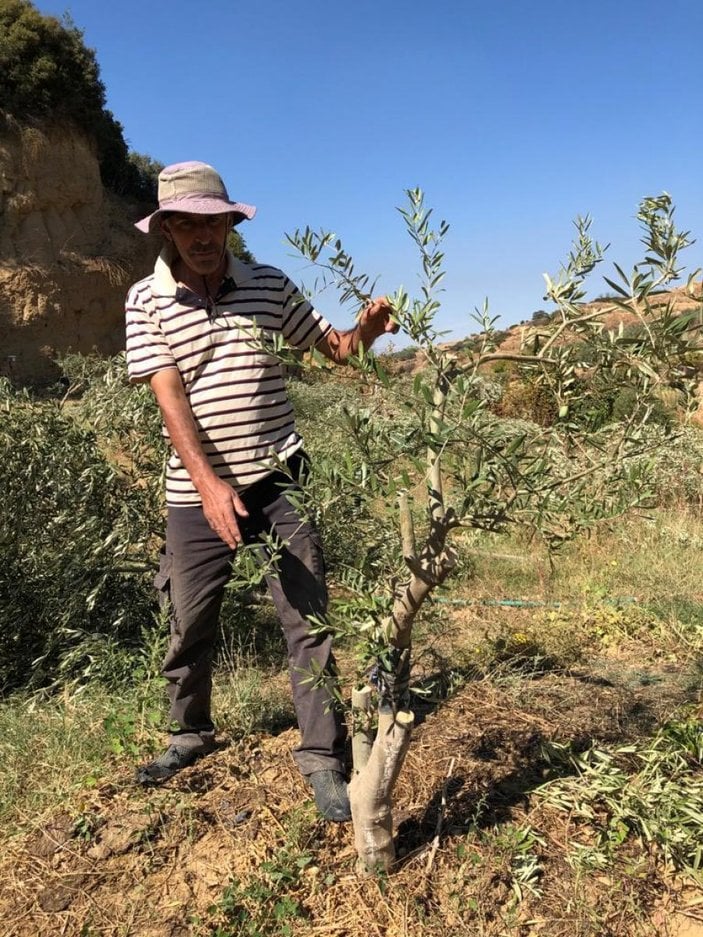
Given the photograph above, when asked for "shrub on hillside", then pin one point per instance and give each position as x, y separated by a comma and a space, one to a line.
48, 73
598, 404
405, 354
74, 577
527, 399
45, 68
675, 466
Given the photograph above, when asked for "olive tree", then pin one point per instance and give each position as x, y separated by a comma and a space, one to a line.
80, 491
446, 462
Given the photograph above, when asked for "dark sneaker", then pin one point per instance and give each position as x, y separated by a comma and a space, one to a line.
173, 760
331, 796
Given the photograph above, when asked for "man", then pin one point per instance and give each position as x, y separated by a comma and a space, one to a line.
197, 330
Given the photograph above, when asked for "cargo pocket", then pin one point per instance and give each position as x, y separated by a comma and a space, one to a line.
316, 553
162, 580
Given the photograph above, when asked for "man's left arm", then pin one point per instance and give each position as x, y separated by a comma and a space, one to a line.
374, 321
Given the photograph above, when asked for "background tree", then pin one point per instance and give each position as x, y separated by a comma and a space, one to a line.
237, 244
48, 74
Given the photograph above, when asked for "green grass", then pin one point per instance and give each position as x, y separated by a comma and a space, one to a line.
248, 699
54, 749
649, 557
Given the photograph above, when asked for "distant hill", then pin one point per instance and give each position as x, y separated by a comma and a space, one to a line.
511, 339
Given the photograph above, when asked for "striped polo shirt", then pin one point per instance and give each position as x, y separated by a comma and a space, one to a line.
233, 382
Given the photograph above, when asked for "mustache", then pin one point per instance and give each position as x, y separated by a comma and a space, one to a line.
208, 247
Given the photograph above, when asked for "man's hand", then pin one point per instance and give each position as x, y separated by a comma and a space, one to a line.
375, 320
221, 507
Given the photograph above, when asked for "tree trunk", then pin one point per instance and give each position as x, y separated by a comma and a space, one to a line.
370, 792
377, 765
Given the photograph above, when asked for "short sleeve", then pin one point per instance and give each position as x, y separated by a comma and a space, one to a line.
148, 350
302, 325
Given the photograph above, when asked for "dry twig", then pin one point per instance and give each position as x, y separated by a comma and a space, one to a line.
440, 819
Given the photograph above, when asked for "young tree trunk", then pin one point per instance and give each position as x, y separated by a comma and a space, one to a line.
377, 762
370, 792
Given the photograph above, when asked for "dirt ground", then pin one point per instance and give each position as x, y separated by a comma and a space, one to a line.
157, 863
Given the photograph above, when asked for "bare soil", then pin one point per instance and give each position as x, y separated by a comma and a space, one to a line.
156, 863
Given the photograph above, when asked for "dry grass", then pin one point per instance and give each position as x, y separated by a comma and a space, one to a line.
643, 557
121, 861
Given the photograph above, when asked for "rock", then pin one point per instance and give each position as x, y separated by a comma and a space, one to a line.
58, 896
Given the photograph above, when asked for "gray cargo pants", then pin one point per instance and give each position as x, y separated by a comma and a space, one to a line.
195, 568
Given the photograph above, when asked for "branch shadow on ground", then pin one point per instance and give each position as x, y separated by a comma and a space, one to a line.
507, 763
487, 799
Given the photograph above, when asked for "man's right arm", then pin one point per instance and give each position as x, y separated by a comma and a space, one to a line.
221, 503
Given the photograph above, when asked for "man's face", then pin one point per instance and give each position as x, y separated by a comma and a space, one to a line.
199, 239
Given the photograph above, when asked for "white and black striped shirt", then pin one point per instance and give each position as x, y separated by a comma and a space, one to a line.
234, 385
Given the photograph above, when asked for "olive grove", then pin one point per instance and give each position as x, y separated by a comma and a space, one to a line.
422, 460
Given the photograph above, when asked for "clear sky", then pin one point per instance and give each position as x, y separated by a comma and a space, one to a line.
513, 117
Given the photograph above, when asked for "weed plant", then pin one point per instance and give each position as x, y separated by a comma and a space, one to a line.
250, 697
54, 750
273, 901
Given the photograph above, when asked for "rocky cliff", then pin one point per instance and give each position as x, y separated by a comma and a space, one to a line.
68, 252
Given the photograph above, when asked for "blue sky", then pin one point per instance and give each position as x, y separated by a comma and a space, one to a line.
513, 117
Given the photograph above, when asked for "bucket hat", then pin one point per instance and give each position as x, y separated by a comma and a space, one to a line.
193, 187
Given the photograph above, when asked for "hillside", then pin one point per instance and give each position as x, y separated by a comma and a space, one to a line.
518, 339
511, 339
67, 251
680, 300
